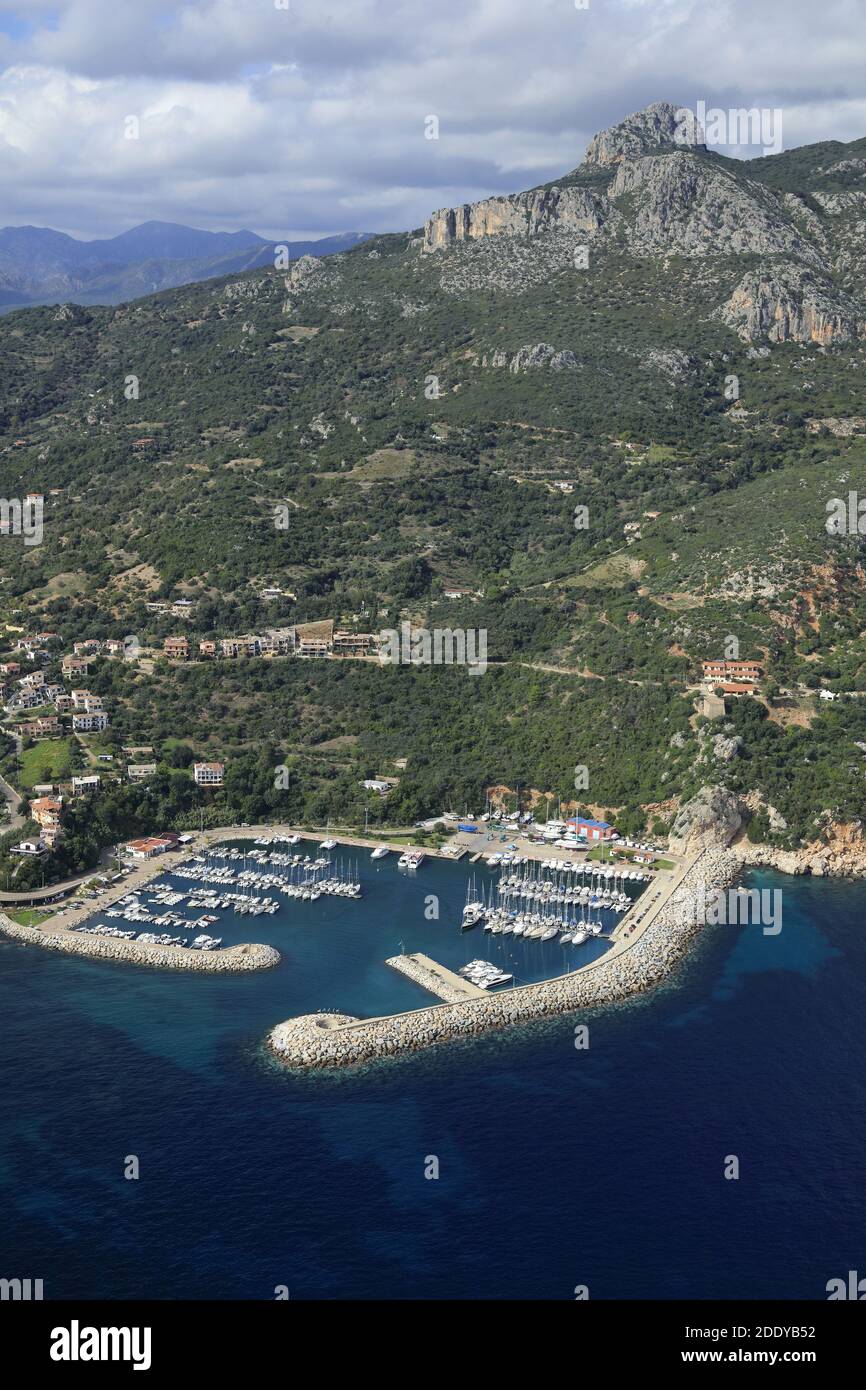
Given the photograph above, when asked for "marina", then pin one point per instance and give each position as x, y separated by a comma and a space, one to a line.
371, 906
637, 961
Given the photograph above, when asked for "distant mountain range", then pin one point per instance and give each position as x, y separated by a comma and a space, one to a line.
42, 266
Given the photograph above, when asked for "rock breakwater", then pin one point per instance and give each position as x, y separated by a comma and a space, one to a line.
635, 964
250, 956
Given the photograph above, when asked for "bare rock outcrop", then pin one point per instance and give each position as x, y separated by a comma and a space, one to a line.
306, 273
792, 304
712, 817
660, 126
543, 355
686, 205
518, 215
726, 747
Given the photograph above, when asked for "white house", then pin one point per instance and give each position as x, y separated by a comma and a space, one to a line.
208, 774
86, 784
137, 772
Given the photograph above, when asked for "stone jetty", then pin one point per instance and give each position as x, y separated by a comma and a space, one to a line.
649, 942
249, 956
435, 977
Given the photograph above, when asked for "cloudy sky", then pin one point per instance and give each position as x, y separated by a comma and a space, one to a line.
305, 117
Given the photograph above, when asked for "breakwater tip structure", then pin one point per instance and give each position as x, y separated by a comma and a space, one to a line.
636, 963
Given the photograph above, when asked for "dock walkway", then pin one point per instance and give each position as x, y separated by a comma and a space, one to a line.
435, 978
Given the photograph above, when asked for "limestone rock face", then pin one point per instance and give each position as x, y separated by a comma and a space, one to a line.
687, 206
543, 355
725, 747
305, 273
791, 304
661, 126
650, 189
519, 215
671, 362
712, 817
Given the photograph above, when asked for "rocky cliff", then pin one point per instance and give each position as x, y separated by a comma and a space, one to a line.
519, 215
712, 817
792, 304
660, 126
649, 188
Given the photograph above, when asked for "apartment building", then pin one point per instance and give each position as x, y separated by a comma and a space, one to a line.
732, 671
90, 723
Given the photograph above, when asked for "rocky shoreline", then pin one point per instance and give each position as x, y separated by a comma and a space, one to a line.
335, 1040
837, 859
250, 956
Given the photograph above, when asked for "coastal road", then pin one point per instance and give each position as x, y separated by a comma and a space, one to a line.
28, 897
649, 905
12, 798
10, 795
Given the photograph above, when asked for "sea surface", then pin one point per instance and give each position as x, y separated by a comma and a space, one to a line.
558, 1166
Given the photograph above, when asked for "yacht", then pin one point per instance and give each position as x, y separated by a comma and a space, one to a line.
380, 852
328, 844
473, 913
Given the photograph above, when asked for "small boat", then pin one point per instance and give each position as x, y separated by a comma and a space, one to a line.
380, 852
328, 844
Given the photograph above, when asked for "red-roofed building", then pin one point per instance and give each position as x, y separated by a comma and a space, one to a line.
148, 847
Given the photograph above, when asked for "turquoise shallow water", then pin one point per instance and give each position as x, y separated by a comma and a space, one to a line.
557, 1166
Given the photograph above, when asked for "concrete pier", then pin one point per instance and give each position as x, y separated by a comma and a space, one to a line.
444, 983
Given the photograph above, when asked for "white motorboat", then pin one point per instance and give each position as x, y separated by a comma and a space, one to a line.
380, 852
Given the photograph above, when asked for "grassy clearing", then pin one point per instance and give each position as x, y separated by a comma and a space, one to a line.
28, 916
47, 761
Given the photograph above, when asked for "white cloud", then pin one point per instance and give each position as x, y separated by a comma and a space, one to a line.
312, 119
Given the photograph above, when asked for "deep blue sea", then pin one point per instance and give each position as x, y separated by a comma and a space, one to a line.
558, 1167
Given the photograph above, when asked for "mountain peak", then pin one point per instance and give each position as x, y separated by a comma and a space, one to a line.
659, 127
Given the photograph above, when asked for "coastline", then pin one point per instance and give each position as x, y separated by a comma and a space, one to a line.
634, 965
316, 1040
57, 934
